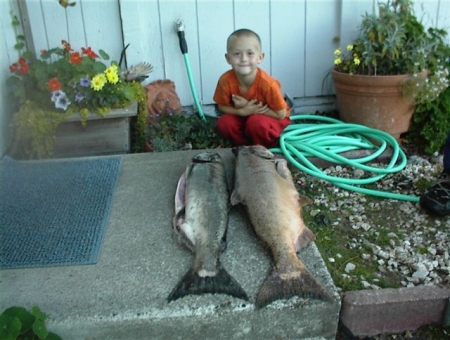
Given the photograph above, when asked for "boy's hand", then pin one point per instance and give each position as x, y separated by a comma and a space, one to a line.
248, 107
255, 107
238, 101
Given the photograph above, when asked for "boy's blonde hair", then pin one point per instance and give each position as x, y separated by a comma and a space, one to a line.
243, 32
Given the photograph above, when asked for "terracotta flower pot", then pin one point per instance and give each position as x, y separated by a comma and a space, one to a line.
373, 101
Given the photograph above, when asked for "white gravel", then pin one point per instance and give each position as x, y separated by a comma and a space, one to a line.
418, 244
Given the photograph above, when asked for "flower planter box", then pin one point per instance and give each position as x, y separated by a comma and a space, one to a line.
100, 136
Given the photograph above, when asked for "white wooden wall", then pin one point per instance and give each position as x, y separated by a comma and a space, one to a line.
298, 36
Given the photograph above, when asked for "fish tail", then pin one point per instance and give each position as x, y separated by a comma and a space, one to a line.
192, 283
284, 286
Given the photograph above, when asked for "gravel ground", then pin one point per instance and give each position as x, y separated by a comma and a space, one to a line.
418, 245
399, 243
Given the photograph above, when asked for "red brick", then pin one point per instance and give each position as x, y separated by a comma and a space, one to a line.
372, 312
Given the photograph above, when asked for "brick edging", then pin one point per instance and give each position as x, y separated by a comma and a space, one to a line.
372, 312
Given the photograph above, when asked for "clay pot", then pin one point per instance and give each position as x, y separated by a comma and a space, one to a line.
373, 101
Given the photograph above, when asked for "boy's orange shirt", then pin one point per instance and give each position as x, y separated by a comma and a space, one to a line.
265, 89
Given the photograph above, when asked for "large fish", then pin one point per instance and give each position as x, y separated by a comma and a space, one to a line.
202, 203
264, 185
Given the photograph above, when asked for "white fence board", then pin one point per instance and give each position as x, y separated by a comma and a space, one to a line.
321, 26
288, 45
90, 23
174, 61
142, 30
216, 23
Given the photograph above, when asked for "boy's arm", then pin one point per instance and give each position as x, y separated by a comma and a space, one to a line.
244, 108
276, 114
247, 110
252, 107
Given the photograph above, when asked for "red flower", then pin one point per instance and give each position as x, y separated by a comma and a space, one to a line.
54, 84
21, 66
75, 58
23, 69
13, 68
66, 45
44, 52
88, 51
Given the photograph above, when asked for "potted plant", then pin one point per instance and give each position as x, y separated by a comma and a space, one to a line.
61, 83
388, 69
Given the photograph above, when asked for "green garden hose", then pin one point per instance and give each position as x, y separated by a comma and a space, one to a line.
332, 137
184, 50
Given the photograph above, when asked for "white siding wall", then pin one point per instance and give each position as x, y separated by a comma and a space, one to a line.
298, 36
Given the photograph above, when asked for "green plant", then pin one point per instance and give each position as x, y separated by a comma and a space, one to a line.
67, 79
176, 131
18, 323
63, 82
431, 121
395, 42
139, 125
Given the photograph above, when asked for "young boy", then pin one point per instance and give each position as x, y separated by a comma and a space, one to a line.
437, 198
250, 100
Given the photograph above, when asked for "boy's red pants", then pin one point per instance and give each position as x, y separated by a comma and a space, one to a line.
256, 129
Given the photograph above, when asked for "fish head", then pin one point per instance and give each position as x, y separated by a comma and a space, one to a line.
207, 157
257, 150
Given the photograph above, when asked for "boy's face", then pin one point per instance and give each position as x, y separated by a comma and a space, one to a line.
244, 54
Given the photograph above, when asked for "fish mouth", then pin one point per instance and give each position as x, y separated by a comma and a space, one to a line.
206, 157
257, 150
236, 150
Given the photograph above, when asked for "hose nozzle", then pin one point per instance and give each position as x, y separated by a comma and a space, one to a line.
180, 25
181, 37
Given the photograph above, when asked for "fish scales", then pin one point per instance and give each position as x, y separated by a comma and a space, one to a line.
201, 222
264, 185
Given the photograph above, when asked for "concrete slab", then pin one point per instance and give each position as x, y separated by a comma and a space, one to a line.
123, 296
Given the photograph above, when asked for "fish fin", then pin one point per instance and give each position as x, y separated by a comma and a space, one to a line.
300, 283
282, 169
304, 200
223, 243
184, 237
305, 238
180, 202
235, 198
193, 284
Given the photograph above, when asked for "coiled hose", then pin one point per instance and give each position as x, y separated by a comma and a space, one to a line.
332, 137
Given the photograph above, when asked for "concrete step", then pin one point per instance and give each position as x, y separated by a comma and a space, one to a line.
123, 296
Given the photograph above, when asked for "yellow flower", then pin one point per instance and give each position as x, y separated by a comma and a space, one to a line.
349, 47
337, 61
337, 52
98, 82
111, 74
356, 60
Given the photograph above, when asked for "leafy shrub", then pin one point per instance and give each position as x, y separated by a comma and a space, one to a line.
184, 131
431, 121
18, 323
